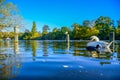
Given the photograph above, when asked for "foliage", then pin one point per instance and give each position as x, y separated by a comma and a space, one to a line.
34, 32
101, 27
117, 33
86, 23
45, 32
118, 23
8, 14
34, 29
105, 25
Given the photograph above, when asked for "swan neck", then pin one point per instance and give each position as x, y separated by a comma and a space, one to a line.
96, 39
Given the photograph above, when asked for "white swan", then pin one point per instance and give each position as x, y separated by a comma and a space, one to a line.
96, 45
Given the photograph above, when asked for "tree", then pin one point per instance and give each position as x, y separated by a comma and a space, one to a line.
118, 33
55, 30
34, 29
7, 10
45, 32
45, 29
9, 16
26, 35
105, 25
55, 33
65, 29
118, 23
76, 30
86, 23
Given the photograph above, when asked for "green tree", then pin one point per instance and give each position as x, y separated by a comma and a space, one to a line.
34, 29
118, 23
105, 25
117, 33
45, 29
27, 35
55, 30
86, 23
55, 33
76, 30
45, 32
65, 29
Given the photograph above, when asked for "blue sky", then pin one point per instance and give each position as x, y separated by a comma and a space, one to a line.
58, 13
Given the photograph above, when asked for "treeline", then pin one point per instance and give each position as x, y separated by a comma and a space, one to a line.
100, 27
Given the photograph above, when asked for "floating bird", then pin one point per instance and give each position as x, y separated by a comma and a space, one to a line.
96, 45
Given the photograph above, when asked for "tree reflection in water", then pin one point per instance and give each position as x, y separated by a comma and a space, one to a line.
34, 45
10, 64
45, 47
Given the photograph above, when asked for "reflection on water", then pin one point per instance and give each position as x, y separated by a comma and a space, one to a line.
34, 48
16, 48
45, 48
9, 63
47, 59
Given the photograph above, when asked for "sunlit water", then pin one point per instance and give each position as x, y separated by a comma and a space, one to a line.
56, 60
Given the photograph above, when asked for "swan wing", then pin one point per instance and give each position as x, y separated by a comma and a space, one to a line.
93, 44
101, 43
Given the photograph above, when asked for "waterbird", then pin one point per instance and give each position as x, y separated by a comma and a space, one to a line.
96, 45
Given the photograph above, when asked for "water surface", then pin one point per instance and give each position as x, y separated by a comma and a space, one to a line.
56, 60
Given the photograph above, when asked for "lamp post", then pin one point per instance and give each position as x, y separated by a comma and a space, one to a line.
112, 38
68, 40
16, 31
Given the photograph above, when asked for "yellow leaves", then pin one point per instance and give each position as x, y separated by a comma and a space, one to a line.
5, 12
55, 30
44, 32
94, 31
118, 31
85, 32
36, 35
2, 25
78, 28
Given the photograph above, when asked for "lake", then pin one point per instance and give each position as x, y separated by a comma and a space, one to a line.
56, 60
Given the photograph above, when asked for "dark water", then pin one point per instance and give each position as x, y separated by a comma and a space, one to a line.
56, 60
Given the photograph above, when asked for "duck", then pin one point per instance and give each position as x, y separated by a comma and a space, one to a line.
96, 45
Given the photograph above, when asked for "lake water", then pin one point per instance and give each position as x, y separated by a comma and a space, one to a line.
56, 60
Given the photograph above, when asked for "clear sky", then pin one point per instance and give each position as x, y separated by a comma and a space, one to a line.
58, 13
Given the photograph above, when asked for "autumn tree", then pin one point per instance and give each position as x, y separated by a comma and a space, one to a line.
9, 16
